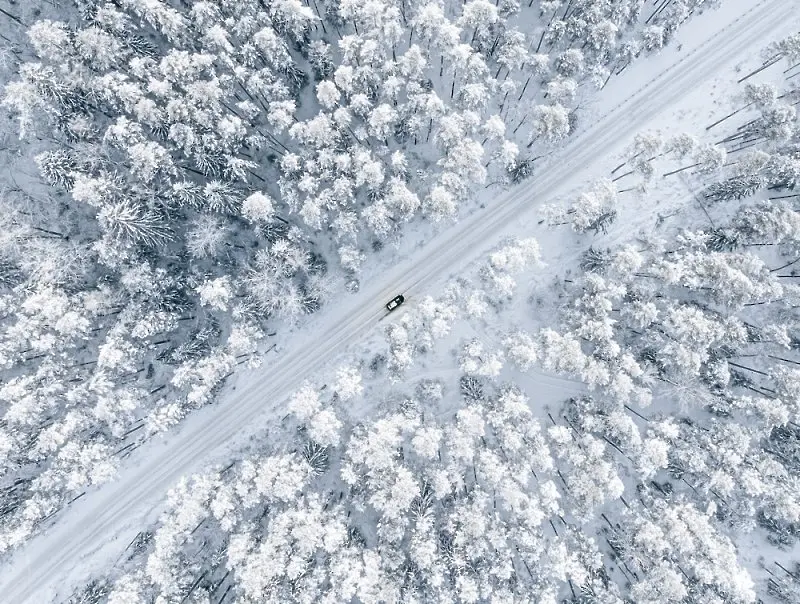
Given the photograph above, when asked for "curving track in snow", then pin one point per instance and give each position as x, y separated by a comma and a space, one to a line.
95, 530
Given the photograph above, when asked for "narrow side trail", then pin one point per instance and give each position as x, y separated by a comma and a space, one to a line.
94, 531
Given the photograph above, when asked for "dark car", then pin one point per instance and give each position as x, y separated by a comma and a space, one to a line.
395, 302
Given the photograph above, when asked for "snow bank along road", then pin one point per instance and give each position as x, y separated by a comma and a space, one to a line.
95, 530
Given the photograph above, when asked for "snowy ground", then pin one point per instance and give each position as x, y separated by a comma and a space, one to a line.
95, 529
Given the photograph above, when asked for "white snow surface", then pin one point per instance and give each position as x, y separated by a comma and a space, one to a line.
93, 532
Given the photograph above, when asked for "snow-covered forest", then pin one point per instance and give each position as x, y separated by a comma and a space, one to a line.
603, 407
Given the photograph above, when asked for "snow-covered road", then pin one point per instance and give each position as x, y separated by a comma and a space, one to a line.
94, 531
